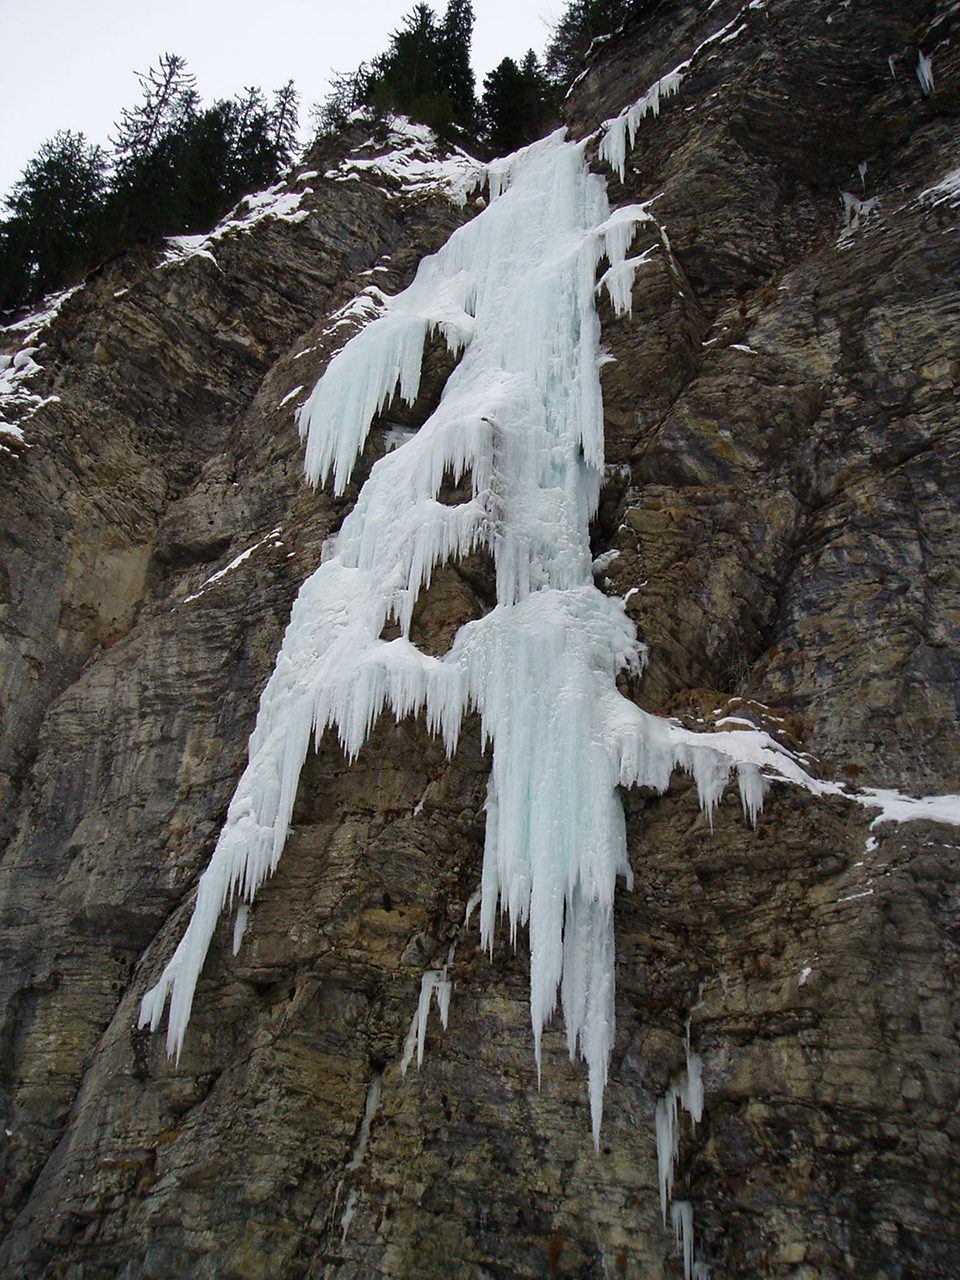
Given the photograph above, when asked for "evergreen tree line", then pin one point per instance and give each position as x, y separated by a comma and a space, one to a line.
425, 74
174, 167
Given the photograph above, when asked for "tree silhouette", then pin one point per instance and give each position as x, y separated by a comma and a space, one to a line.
282, 122
169, 100
175, 167
456, 75
425, 72
54, 208
580, 24
517, 104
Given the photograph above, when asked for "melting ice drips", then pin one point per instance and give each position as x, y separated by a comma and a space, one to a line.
514, 290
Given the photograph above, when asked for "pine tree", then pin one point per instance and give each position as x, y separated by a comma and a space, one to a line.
253, 159
407, 72
580, 24
55, 205
283, 120
169, 100
348, 92
517, 104
204, 170
425, 73
456, 74
177, 168
147, 199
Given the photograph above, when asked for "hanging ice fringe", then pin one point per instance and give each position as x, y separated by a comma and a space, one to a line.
521, 413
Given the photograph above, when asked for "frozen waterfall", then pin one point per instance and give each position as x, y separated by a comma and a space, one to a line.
514, 289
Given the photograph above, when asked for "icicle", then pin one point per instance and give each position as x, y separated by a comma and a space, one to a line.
614, 132
374, 1090
433, 984
240, 926
613, 143
681, 1215
349, 1210
689, 1095
668, 1145
753, 787
925, 73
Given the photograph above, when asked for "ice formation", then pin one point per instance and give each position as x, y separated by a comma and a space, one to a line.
689, 1095
615, 132
925, 73
435, 983
855, 213
514, 290
19, 367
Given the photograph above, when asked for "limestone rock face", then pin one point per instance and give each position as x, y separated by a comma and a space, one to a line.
782, 488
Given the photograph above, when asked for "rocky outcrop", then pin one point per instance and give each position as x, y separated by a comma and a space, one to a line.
782, 492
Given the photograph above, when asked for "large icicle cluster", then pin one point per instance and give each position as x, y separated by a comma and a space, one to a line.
521, 413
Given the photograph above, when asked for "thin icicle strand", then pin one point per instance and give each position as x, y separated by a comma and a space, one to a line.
522, 415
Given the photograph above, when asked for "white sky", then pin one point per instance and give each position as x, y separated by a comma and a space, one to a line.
69, 64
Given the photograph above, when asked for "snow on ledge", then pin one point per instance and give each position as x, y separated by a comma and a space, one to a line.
894, 806
410, 157
275, 203
946, 191
20, 367
273, 538
36, 321
775, 763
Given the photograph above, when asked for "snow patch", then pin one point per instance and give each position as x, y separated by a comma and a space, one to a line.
291, 395
894, 806
33, 324
411, 158
275, 203
947, 190
272, 537
17, 403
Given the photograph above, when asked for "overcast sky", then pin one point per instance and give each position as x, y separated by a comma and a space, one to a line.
69, 64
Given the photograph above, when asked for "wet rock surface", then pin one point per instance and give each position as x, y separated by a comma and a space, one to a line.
782, 489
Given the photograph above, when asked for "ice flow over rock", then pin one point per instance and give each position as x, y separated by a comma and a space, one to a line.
521, 413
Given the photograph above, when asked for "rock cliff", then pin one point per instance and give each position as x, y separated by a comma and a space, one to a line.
782, 492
